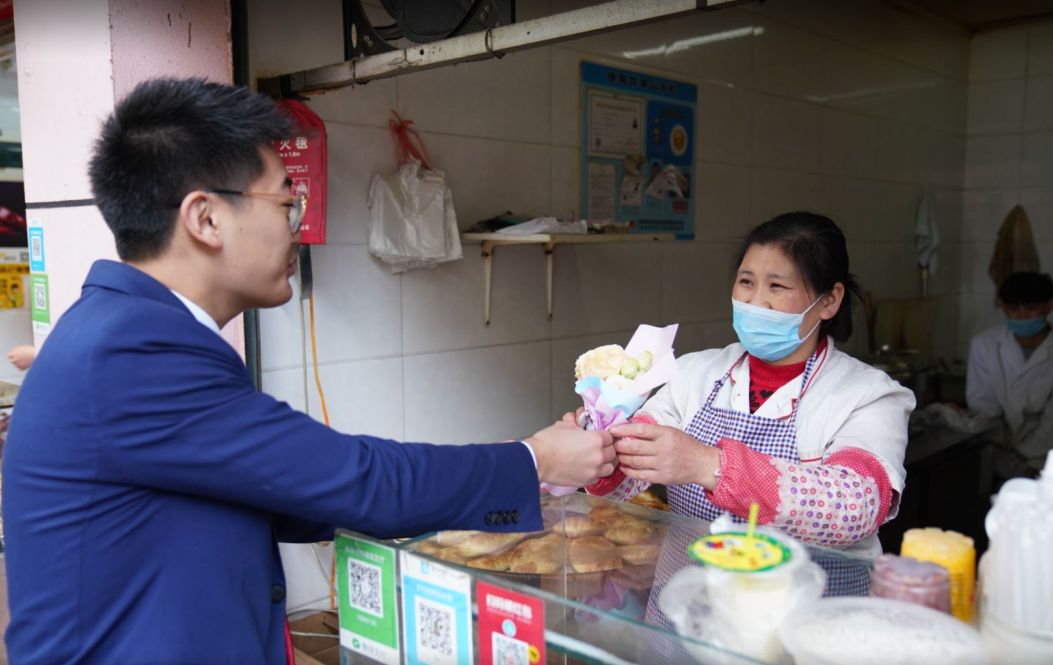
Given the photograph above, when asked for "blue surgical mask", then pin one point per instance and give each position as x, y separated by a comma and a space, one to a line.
768, 334
1026, 327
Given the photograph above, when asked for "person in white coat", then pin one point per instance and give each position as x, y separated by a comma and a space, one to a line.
782, 418
1010, 373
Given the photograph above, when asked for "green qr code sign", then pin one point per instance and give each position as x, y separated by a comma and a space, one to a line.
40, 298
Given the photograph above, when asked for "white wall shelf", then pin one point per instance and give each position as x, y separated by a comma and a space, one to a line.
548, 242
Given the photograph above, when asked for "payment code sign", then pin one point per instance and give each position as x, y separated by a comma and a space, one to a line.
369, 618
511, 626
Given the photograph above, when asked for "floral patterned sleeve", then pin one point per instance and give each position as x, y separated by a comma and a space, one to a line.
837, 502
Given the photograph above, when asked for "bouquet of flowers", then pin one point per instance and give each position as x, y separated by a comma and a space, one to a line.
614, 382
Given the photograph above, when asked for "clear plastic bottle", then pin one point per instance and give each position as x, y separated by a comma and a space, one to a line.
1016, 575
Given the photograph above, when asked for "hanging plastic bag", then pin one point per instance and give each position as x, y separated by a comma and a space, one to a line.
413, 223
306, 161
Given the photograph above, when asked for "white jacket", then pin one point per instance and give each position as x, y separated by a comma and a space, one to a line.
847, 404
1001, 382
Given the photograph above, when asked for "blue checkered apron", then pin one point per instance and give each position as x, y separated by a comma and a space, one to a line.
769, 436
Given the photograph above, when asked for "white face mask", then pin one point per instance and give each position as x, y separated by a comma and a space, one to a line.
769, 334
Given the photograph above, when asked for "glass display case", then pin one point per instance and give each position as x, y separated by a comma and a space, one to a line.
598, 569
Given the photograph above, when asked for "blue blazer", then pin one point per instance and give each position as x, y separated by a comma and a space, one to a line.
146, 483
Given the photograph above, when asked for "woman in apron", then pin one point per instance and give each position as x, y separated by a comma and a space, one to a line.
782, 418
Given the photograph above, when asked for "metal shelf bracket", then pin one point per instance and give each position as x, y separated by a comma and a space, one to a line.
548, 242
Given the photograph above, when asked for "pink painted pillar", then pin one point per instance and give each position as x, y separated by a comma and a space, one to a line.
75, 60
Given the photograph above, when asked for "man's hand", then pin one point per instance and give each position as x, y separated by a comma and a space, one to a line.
573, 418
665, 455
22, 356
569, 456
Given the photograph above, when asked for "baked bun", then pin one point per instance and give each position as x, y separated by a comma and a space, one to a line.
539, 555
454, 537
649, 500
642, 553
576, 526
628, 530
591, 554
429, 547
605, 514
499, 562
450, 554
488, 543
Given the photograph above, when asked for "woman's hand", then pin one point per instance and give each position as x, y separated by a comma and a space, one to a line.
666, 455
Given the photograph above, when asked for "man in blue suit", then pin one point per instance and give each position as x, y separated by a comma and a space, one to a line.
146, 482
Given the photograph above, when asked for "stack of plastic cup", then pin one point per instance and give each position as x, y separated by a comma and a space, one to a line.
1016, 574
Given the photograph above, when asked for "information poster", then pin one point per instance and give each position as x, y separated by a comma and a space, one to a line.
12, 285
638, 151
40, 304
511, 626
14, 277
436, 612
369, 620
36, 249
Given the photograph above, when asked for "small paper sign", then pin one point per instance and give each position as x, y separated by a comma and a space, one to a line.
436, 611
511, 626
369, 618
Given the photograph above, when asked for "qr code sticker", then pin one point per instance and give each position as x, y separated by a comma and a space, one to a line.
40, 296
510, 651
435, 632
363, 581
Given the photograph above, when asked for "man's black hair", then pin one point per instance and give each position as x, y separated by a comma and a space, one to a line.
168, 138
817, 248
1026, 288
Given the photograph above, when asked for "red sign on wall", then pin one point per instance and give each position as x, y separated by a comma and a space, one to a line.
305, 157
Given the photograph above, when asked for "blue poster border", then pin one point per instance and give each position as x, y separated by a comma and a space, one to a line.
670, 106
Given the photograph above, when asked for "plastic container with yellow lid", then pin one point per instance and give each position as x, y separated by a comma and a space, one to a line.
746, 585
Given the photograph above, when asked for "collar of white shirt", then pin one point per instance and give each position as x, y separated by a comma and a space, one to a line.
201, 315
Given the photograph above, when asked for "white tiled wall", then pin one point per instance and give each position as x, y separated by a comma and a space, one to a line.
842, 108
1009, 156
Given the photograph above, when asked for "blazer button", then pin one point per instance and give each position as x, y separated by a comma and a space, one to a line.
277, 593
515, 516
506, 518
489, 519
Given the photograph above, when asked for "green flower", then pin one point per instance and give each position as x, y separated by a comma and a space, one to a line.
630, 368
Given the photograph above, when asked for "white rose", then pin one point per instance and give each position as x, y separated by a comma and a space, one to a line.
603, 361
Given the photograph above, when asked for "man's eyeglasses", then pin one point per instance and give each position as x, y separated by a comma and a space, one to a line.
297, 205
